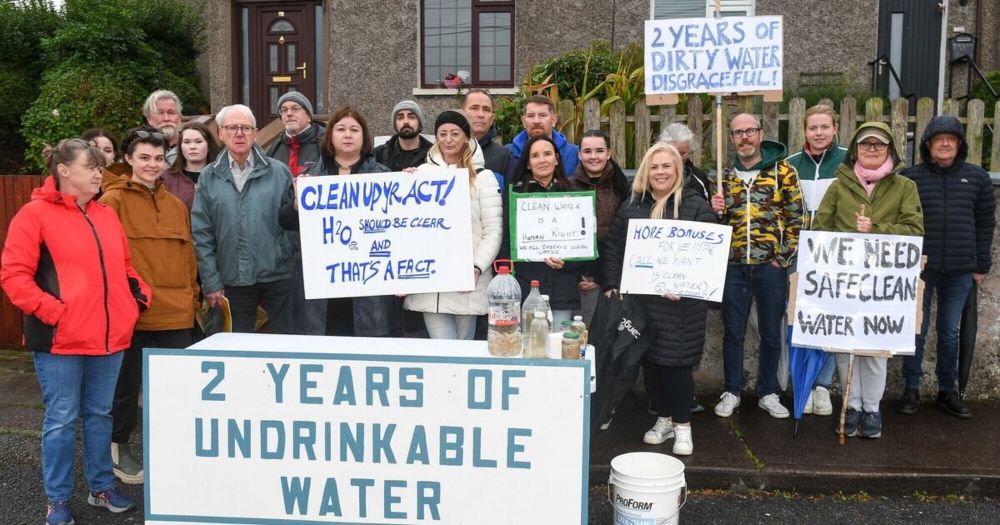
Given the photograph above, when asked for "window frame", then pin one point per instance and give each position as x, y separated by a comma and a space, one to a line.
748, 6
478, 7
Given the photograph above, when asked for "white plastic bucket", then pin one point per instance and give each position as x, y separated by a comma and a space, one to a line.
647, 488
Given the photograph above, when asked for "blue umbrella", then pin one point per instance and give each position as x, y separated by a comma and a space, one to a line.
805, 365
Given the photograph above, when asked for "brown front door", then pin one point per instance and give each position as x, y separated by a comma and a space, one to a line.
277, 54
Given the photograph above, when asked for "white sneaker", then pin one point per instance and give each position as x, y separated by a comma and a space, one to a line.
809, 404
773, 405
683, 444
821, 401
607, 424
661, 431
728, 402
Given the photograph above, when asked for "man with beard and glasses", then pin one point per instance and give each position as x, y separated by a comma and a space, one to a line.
162, 110
298, 147
406, 149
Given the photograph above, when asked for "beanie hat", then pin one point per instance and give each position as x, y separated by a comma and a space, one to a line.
408, 105
452, 117
298, 98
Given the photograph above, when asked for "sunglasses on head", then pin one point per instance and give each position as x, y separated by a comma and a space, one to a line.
146, 134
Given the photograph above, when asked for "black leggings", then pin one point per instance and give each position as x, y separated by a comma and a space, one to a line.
675, 393
125, 409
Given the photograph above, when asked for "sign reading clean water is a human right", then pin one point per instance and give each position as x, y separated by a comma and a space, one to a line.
561, 225
708, 55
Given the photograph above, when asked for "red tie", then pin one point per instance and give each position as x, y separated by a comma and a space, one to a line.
293, 158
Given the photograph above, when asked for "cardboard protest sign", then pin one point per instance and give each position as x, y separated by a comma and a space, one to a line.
385, 233
857, 292
708, 55
685, 258
324, 434
559, 225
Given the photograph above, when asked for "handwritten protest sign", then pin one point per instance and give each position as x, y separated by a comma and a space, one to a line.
559, 225
708, 55
680, 257
857, 291
385, 233
324, 435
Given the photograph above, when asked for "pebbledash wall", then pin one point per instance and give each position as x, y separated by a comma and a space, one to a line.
373, 52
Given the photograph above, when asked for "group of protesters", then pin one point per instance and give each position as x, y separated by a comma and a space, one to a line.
125, 245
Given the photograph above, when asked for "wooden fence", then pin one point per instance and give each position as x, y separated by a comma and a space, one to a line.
16, 191
646, 122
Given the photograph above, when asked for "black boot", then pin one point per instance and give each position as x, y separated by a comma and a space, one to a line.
950, 403
909, 403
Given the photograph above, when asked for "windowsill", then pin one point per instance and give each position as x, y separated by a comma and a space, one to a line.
447, 91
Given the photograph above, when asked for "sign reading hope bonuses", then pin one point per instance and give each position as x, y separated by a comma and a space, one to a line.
385, 233
857, 291
708, 55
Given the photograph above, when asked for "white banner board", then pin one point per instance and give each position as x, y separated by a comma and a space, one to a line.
708, 55
857, 292
383, 233
561, 225
317, 435
685, 258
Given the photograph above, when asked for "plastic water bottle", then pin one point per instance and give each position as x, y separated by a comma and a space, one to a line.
580, 328
531, 303
547, 308
504, 296
538, 344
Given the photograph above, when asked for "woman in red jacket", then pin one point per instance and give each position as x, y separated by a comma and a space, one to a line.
66, 265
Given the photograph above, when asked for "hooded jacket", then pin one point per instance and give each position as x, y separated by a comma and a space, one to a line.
309, 139
816, 174
959, 204
894, 205
70, 272
487, 216
158, 228
389, 154
570, 152
766, 214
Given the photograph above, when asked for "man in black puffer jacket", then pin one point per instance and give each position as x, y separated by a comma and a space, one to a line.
958, 201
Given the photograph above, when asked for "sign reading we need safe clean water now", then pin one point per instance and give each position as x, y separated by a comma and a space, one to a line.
442, 433
385, 233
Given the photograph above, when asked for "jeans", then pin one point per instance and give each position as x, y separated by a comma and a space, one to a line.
274, 296
952, 291
75, 386
825, 377
125, 409
450, 326
768, 286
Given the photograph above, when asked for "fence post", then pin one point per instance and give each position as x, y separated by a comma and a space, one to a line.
796, 135
825, 102
567, 115
925, 112
642, 130
616, 125
695, 125
995, 155
951, 107
591, 114
668, 114
874, 107
975, 112
771, 124
898, 125
848, 119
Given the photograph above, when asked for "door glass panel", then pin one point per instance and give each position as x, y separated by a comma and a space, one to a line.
281, 26
320, 61
895, 53
272, 58
292, 62
245, 54
273, 97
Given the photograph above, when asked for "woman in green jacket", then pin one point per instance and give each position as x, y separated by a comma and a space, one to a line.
869, 196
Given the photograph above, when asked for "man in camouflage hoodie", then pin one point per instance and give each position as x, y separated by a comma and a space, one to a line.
761, 200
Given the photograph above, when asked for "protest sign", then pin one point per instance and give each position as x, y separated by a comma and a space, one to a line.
709, 55
385, 233
559, 225
857, 292
685, 258
322, 434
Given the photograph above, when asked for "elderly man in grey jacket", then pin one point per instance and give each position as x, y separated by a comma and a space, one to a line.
243, 254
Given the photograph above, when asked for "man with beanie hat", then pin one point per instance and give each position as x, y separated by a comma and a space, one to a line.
299, 146
406, 149
959, 202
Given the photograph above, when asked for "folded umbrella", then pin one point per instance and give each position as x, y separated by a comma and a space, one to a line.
967, 340
619, 324
805, 365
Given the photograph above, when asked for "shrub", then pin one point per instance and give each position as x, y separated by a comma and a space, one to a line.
982, 92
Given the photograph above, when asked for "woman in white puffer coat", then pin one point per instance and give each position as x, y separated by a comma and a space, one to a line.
452, 315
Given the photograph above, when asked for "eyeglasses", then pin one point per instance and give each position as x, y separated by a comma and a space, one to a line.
146, 134
749, 132
873, 146
233, 129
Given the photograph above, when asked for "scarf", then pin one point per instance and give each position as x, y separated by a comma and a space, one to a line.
869, 178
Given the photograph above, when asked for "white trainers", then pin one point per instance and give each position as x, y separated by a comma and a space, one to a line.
683, 444
821, 401
809, 404
661, 431
728, 402
773, 405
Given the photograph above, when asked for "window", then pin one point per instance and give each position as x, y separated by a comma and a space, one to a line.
472, 39
661, 9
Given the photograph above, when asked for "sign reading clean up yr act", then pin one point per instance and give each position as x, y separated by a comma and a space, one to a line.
385, 233
561, 225
286, 436
708, 55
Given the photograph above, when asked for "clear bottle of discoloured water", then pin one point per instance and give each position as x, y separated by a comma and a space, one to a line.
504, 295
539, 338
